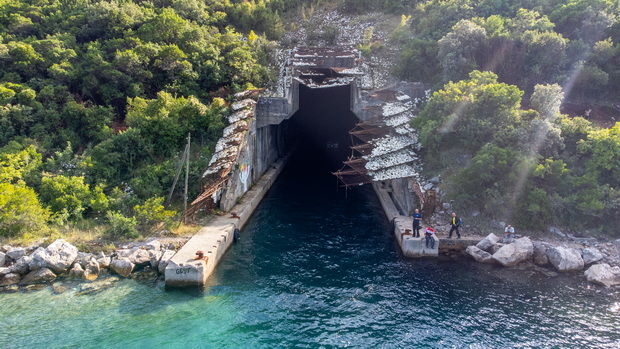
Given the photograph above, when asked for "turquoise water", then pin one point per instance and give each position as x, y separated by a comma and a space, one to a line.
316, 269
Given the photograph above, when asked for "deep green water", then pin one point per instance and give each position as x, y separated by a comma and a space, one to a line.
316, 269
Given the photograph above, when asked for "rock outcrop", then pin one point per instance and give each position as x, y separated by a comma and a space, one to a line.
565, 259
487, 243
512, 254
58, 256
22, 266
10, 279
38, 276
122, 266
603, 274
540, 253
479, 255
163, 261
16, 253
591, 255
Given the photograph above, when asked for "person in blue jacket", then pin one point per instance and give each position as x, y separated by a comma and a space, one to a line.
417, 223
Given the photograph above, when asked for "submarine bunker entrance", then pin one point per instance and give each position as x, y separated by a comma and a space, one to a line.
320, 131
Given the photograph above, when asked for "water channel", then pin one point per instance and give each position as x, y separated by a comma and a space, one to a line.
316, 268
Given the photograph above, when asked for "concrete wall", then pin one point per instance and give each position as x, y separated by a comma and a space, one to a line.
403, 195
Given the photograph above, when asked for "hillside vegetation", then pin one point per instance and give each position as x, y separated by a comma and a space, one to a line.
97, 99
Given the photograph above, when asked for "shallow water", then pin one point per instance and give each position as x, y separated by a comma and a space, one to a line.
318, 269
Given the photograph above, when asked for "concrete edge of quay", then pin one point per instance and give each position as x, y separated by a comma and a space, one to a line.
215, 238
410, 246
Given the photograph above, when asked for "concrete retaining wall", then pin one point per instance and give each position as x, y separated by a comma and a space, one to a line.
184, 270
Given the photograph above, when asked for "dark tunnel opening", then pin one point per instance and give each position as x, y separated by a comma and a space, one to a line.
321, 128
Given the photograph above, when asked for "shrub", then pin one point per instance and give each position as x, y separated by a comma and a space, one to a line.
121, 226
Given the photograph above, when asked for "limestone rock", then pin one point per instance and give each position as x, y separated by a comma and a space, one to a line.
2, 259
603, 274
512, 254
58, 256
479, 255
77, 271
153, 245
4, 271
122, 266
556, 230
16, 253
155, 257
97, 286
84, 258
22, 266
565, 259
496, 247
141, 257
163, 261
540, 253
38, 276
617, 243
103, 260
10, 279
92, 270
487, 243
591, 255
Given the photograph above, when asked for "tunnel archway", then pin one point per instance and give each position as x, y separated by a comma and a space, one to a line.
320, 129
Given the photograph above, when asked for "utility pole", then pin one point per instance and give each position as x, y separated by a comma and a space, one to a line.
187, 148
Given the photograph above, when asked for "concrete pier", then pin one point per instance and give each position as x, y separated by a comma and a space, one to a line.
214, 239
410, 246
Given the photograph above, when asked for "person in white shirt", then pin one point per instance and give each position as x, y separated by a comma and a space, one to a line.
509, 232
428, 235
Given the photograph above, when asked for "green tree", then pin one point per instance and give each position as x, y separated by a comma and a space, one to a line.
20, 211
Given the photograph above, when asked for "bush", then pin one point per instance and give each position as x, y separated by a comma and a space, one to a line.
121, 226
21, 212
153, 212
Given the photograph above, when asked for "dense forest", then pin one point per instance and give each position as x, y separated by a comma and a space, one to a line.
98, 97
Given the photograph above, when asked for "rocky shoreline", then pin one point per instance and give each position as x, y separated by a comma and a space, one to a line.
36, 267
601, 261
25, 267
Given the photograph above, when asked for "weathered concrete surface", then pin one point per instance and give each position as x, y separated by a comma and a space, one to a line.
410, 246
213, 240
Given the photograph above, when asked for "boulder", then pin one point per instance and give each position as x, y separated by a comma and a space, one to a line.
496, 247
103, 260
77, 271
38, 276
617, 243
565, 259
10, 279
92, 270
557, 231
58, 256
591, 255
163, 261
122, 266
153, 245
84, 258
22, 266
4, 271
512, 254
487, 243
141, 257
155, 257
603, 274
2, 259
479, 255
540, 253
16, 253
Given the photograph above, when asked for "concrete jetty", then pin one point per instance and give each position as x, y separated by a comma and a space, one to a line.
410, 246
186, 268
